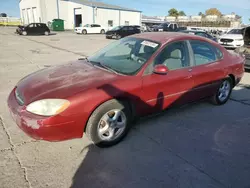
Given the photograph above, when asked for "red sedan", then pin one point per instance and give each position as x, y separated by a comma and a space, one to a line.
132, 77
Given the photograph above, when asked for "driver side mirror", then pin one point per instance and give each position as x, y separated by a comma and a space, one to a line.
161, 69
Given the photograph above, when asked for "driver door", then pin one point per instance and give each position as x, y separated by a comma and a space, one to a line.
91, 28
174, 88
31, 29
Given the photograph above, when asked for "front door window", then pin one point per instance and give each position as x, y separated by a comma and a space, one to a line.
174, 56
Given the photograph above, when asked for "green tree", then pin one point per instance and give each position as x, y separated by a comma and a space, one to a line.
181, 13
173, 12
213, 11
3, 15
201, 14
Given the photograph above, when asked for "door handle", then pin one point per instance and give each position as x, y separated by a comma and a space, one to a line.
190, 70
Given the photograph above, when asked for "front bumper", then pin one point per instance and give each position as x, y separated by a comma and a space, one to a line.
56, 128
78, 31
110, 36
234, 44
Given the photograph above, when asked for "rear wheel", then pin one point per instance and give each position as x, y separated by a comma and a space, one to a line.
102, 31
24, 33
223, 93
84, 32
109, 123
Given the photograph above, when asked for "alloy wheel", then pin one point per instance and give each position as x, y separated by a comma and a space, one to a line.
112, 125
224, 90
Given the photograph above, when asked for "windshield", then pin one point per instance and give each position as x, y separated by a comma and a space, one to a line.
116, 28
125, 56
235, 31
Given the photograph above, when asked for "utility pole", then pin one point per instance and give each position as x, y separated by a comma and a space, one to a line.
58, 11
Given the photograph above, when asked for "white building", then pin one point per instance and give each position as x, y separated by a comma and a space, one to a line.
183, 18
170, 18
77, 12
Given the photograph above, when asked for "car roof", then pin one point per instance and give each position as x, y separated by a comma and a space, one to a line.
193, 31
163, 37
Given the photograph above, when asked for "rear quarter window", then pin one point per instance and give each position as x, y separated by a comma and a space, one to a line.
219, 53
204, 52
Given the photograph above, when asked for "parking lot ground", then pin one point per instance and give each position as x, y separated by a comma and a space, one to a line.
197, 145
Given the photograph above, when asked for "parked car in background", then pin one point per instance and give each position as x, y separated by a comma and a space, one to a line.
90, 29
33, 29
169, 27
245, 49
233, 39
122, 31
200, 33
136, 76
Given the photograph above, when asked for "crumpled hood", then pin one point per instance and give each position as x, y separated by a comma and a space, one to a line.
62, 81
231, 36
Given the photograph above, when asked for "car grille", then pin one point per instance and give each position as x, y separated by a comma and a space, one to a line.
226, 40
19, 98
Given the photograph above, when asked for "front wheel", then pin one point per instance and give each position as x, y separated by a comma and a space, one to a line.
118, 37
46, 33
24, 33
223, 92
109, 123
84, 32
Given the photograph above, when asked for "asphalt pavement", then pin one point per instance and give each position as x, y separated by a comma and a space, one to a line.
198, 145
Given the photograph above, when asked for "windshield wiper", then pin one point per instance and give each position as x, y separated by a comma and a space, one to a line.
95, 63
103, 66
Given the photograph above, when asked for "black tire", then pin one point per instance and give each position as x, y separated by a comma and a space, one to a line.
118, 37
84, 31
102, 31
24, 33
46, 33
93, 122
215, 98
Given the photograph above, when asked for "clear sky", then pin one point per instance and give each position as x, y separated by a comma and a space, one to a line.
161, 7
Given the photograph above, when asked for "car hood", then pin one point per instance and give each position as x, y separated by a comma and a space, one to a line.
21, 26
232, 36
62, 81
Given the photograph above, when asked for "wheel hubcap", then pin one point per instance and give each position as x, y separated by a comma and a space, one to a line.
224, 90
112, 125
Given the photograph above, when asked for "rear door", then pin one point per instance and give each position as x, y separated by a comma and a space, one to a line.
124, 31
132, 30
39, 28
208, 68
96, 28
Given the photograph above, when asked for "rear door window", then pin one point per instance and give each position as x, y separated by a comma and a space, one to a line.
39, 25
204, 53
